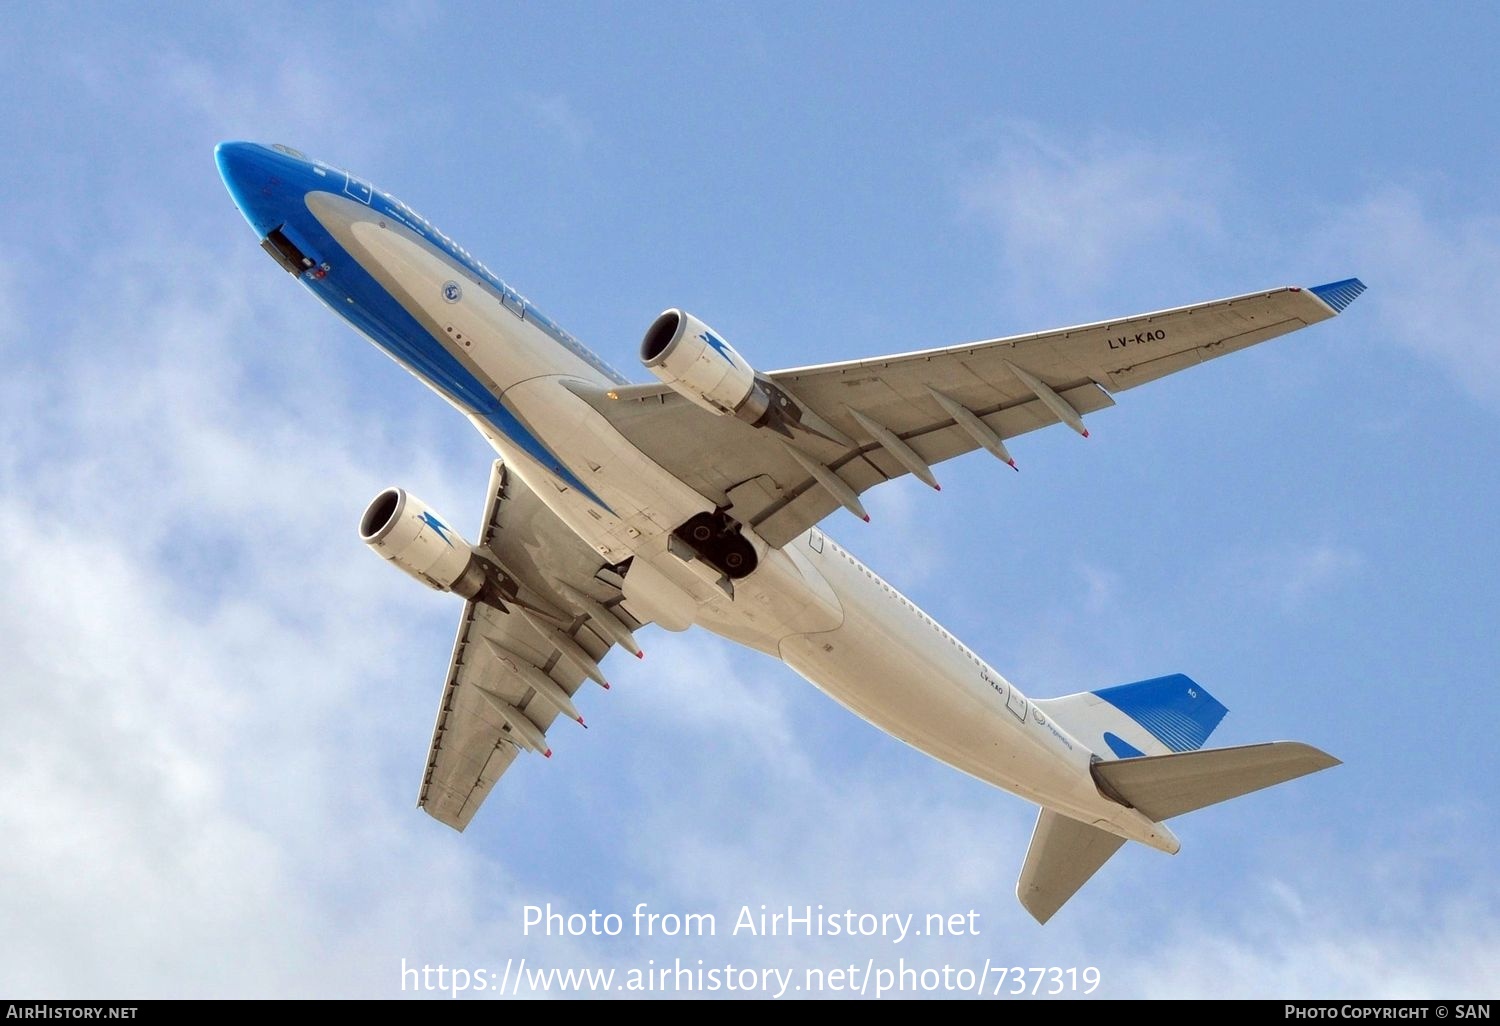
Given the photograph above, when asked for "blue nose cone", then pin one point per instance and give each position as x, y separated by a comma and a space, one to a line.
233, 159
259, 180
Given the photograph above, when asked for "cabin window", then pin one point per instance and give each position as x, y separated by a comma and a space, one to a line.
815, 541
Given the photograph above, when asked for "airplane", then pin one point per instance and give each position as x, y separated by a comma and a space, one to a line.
697, 500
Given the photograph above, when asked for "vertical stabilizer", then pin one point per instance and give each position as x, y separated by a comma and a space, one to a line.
1149, 717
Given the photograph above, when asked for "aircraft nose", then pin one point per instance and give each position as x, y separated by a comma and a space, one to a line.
249, 171
231, 157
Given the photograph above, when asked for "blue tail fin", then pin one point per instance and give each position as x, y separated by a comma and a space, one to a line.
1149, 717
1175, 710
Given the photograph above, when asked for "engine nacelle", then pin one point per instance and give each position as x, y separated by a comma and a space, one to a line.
691, 357
402, 529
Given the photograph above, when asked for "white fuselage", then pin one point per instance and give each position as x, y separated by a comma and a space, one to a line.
810, 603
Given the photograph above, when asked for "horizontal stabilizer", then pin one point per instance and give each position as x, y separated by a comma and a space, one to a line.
1163, 786
1064, 854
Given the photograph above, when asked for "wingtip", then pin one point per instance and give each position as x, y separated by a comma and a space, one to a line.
1034, 908
1337, 295
865, 517
639, 654
547, 754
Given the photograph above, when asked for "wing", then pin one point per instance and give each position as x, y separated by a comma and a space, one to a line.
516, 671
868, 421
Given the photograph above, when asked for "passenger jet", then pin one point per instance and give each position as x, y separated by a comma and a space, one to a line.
697, 500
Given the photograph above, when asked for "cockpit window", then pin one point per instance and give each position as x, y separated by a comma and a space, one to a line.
279, 148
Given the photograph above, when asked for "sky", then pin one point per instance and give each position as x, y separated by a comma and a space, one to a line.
215, 705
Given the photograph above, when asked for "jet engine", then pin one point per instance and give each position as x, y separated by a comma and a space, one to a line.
401, 528
691, 357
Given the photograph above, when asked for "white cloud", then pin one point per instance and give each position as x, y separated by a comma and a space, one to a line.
1292, 576
1069, 215
1432, 280
902, 536
170, 677
1101, 586
1315, 569
118, 735
1315, 947
695, 685
150, 96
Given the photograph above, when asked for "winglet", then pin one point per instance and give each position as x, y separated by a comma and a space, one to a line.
1339, 294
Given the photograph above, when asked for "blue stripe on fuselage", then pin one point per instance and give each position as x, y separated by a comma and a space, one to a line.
385, 203
354, 294
378, 314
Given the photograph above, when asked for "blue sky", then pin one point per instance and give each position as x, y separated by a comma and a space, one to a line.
215, 704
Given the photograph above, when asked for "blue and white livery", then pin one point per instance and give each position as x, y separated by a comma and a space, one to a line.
697, 500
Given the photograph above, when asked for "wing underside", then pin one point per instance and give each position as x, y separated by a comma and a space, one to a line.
507, 663
919, 409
